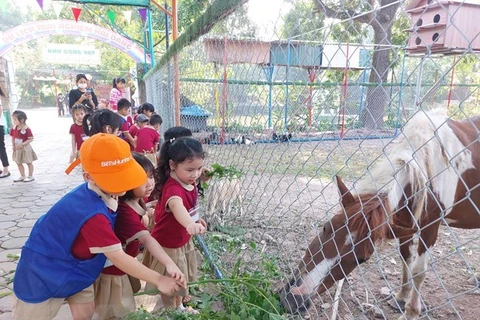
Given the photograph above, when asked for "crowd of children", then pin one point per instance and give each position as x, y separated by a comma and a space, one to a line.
86, 255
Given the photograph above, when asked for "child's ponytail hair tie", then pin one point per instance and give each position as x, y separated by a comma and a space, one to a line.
171, 140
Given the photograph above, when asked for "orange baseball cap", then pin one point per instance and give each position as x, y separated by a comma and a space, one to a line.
107, 158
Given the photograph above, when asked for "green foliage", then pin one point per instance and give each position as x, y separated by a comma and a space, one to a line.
220, 171
303, 22
245, 295
217, 11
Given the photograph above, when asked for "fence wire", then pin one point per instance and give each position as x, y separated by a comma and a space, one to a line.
321, 98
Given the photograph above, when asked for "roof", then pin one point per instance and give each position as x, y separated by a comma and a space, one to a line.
194, 111
414, 3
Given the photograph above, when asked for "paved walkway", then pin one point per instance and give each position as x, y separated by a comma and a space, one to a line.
22, 203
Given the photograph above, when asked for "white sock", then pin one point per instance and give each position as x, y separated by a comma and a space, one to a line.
181, 308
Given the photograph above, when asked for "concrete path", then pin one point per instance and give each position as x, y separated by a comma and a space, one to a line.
22, 203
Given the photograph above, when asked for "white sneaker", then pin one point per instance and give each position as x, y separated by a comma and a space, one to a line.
22, 178
29, 179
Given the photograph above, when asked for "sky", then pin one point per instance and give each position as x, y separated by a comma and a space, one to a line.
266, 14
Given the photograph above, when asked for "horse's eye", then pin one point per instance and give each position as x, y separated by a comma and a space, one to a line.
324, 229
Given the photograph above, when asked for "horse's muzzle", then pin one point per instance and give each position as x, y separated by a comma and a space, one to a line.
294, 303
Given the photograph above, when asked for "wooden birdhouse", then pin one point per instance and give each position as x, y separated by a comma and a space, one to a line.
443, 26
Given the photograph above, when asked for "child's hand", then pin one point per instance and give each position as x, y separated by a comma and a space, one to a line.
72, 157
18, 146
145, 220
204, 176
150, 212
151, 204
175, 273
202, 222
168, 285
195, 228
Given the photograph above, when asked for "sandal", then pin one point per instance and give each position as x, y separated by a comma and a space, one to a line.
4, 175
188, 309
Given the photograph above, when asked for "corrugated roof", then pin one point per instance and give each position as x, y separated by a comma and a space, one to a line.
194, 111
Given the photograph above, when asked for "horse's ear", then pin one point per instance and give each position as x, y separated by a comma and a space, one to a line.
347, 197
402, 232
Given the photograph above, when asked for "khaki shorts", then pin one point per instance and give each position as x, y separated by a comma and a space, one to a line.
48, 309
113, 296
184, 257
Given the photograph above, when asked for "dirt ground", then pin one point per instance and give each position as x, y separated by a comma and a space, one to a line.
284, 209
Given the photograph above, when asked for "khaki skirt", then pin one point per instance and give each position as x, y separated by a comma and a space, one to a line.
184, 257
24, 155
113, 296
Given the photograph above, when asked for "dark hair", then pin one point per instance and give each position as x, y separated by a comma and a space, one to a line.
20, 115
155, 119
123, 104
117, 80
170, 135
96, 122
146, 107
79, 106
178, 151
81, 76
147, 165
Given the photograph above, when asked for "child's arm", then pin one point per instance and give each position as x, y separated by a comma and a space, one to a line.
133, 267
74, 148
132, 141
157, 251
182, 216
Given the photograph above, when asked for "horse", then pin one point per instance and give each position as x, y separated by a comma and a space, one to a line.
429, 176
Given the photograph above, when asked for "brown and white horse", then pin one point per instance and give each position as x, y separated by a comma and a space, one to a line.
429, 176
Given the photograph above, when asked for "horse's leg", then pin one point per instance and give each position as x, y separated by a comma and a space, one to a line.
428, 237
406, 246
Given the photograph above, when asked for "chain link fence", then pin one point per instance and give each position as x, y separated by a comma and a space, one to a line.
316, 100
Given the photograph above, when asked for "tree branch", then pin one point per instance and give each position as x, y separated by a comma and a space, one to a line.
343, 14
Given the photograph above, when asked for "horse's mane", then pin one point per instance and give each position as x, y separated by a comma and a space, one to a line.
368, 215
426, 154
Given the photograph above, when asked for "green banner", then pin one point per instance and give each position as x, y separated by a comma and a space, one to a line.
136, 3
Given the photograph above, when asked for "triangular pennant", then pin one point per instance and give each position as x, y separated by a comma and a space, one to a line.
40, 3
143, 14
76, 13
111, 16
3, 5
57, 7
128, 15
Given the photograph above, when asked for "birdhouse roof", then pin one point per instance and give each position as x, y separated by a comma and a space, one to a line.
422, 3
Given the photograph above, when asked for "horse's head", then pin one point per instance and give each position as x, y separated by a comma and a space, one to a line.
345, 241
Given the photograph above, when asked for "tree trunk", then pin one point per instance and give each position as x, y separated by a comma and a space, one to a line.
377, 96
141, 92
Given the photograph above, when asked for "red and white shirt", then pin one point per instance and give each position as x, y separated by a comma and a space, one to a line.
128, 228
147, 140
167, 230
78, 133
96, 235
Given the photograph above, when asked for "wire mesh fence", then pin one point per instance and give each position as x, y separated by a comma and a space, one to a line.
320, 99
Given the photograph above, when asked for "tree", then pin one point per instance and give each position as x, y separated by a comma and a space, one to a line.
380, 16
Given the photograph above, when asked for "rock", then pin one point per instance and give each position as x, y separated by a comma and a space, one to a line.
385, 291
378, 313
326, 306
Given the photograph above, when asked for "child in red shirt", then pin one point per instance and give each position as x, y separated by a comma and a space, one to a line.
22, 150
76, 130
78, 238
113, 289
148, 138
176, 216
127, 121
140, 121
